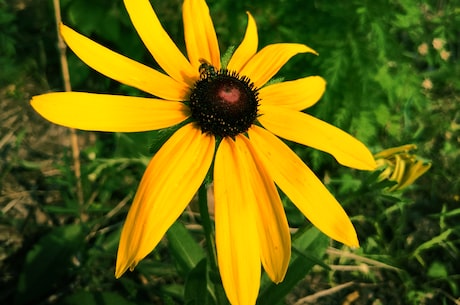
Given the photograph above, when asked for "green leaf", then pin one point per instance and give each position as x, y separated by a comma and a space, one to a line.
159, 137
437, 270
48, 263
185, 250
87, 20
441, 238
190, 256
95, 298
172, 292
197, 286
62, 210
227, 56
313, 244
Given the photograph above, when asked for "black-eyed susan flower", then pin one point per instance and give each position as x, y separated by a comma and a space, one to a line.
229, 119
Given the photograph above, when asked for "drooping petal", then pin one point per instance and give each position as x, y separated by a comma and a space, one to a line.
200, 36
158, 42
104, 112
123, 69
301, 185
265, 63
415, 170
273, 228
247, 48
171, 179
308, 130
237, 239
296, 95
388, 153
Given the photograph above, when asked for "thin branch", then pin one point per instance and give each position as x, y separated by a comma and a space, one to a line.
359, 258
456, 301
314, 297
67, 88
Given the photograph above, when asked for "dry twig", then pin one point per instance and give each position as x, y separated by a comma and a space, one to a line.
314, 297
67, 88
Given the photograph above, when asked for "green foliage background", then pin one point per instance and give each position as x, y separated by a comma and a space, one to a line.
389, 84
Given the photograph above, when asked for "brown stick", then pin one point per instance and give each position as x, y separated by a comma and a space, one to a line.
314, 297
67, 88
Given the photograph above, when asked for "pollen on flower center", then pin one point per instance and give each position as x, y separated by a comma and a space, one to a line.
223, 103
230, 94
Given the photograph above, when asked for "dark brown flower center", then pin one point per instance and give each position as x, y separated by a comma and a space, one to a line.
223, 103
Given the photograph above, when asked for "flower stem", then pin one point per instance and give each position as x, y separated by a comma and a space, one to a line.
221, 299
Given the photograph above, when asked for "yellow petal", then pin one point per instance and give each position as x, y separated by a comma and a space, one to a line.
414, 171
387, 153
247, 48
123, 69
296, 95
200, 36
237, 240
308, 130
301, 185
273, 228
158, 42
169, 183
398, 171
267, 62
104, 112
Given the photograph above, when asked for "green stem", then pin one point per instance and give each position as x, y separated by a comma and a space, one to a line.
221, 299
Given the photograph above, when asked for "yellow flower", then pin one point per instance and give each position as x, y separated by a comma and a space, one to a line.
423, 49
445, 55
224, 107
438, 43
427, 84
399, 164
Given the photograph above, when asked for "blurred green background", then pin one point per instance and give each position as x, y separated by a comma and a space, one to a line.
392, 69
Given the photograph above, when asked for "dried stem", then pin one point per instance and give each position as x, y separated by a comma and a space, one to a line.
67, 87
311, 299
358, 258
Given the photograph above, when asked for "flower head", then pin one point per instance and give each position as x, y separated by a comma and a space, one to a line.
438, 43
401, 165
230, 117
445, 55
423, 49
427, 84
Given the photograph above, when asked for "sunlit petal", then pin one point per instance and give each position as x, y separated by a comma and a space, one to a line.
308, 130
267, 62
301, 185
273, 228
237, 238
296, 95
104, 112
200, 36
123, 69
158, 42
169, 183
247, 48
